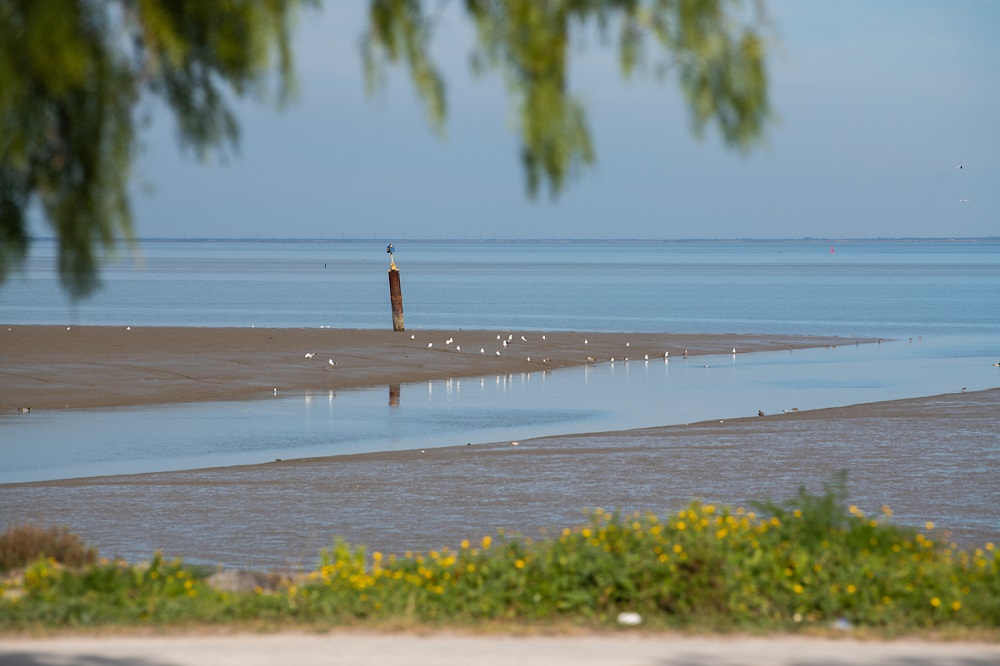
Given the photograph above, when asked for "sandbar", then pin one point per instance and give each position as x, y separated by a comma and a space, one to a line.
77, 367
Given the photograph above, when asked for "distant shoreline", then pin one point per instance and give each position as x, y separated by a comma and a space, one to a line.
664, 241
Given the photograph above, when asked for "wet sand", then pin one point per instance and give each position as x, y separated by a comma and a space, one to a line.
59, 367
932, 458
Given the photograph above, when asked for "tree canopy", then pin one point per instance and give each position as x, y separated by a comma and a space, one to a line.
73, 74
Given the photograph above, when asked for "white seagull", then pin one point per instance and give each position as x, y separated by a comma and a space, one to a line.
331, 362
430, 344
309, 355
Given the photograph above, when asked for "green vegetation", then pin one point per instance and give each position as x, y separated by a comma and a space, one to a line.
77, 78
801, 565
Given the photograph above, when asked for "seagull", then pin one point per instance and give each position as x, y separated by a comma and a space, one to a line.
524, 339
449, 341
128, 328
666, 354
958, 166
543, 337
498, 337
685, 352
628, 344
505, 344
996, 365
586, 342
963, 201
734, 350
482, 350
413, 336
275, 391
24, 410
430, 344
498, 352
514, 443
458, 347
647, 357
309, 355
331, 362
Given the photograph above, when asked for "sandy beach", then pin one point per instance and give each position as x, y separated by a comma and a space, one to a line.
279, 514
60, 367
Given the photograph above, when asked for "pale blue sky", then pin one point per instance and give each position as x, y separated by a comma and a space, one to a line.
876, 102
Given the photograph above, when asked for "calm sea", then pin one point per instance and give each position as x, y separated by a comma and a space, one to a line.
863, 288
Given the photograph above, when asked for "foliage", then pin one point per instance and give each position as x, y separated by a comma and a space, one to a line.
805, 564
25, 543
71, 76
716, 52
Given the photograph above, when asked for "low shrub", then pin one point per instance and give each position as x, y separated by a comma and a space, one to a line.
24, 543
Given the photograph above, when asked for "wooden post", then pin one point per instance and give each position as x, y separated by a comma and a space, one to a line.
395, 292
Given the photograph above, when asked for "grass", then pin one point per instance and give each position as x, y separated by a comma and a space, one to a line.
803, 564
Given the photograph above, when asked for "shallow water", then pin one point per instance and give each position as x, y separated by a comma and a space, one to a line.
602, 397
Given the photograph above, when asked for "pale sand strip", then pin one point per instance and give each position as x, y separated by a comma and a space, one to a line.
55, 367
613, 648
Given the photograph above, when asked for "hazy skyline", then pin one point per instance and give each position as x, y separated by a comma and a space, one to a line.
875, 104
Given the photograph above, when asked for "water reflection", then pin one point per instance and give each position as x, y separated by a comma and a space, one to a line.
597, 397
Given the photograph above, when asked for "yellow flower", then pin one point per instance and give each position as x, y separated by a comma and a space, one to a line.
678, 548
798, 589
797, 513
851, 589
935, 602
955, 605
929, 525
681, 525
519, 564
465, 544
487, 540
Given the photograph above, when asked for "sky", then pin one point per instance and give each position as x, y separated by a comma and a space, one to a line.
875, 105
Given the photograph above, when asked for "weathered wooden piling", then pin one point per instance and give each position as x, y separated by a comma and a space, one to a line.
395, 291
